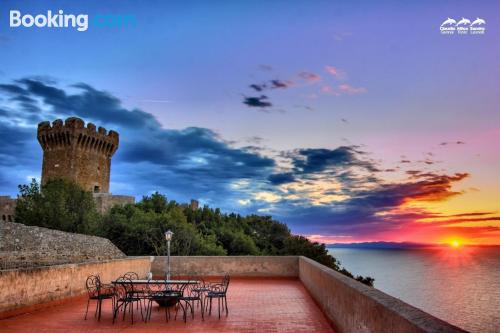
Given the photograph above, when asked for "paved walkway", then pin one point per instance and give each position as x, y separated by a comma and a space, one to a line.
255, 305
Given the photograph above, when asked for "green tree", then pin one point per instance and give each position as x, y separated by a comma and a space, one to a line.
59, 204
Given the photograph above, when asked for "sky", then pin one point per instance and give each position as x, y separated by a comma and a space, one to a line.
350, 121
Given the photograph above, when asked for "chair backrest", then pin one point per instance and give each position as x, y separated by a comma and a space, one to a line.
125, 287
225, 282
193, 289
93, 285
131, 276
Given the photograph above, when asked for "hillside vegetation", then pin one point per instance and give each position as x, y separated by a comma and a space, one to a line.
139, 229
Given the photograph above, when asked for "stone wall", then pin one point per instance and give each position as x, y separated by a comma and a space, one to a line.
7, 209
354, 307
24, 289
29, 246
262, 266
104, 201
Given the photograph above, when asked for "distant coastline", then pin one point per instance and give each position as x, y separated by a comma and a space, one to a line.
393, 245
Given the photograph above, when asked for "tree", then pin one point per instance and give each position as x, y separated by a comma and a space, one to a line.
59, 204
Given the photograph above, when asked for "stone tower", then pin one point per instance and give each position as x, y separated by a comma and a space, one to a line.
77, 153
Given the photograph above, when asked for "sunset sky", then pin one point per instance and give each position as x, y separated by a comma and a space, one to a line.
348, 120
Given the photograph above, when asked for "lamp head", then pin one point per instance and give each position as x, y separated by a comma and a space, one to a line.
168, 235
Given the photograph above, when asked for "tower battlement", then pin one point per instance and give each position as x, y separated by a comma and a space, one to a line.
77, 152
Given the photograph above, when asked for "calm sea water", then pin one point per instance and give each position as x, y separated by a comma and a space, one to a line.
461, 286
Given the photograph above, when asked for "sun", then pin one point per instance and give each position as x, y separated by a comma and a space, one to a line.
455, 243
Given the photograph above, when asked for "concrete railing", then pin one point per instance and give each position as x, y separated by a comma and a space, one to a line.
354, 307
258, 266
24, 288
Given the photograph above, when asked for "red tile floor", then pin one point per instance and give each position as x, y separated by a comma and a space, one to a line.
255, 305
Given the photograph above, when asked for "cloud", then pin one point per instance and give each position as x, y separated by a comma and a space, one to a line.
317, 160
334, 71
310, 77
321, 191
258, 87
281, 178
189, 162
446, 143
347, 88
272, 84
258, 102
279, 84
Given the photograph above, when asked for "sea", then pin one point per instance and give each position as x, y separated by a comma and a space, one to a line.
459, 285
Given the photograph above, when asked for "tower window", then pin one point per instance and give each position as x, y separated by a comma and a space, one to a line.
96, 189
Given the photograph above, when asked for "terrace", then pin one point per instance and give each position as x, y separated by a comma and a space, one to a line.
269, 294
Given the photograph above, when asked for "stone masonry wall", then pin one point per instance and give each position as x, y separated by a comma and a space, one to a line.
29, 246
76, 152
104, 201
7, 209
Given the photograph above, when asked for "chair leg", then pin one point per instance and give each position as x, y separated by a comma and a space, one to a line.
125, 310
202, 310
86, 311
132, 306
218, 303
98, 310
225, 302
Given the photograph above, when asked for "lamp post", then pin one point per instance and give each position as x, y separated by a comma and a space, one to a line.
168, 237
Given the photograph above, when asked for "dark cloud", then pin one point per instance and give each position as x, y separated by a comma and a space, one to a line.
87, 103
258, 87
193, 159
452, 143
280, 84
258, 102
360, 214
317, 160
281, 178
272, 84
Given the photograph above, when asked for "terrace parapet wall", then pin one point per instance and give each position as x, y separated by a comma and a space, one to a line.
348, 304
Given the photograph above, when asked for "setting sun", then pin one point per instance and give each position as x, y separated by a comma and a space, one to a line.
455, 243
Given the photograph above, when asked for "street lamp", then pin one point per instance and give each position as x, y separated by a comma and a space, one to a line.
168, 237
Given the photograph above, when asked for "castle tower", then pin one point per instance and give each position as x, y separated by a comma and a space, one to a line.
77, 153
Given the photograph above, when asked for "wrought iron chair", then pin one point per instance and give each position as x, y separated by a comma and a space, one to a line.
98, 292
193, 292
138, 291
125, 296
219, 291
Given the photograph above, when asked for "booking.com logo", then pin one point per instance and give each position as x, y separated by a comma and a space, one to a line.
80, 22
